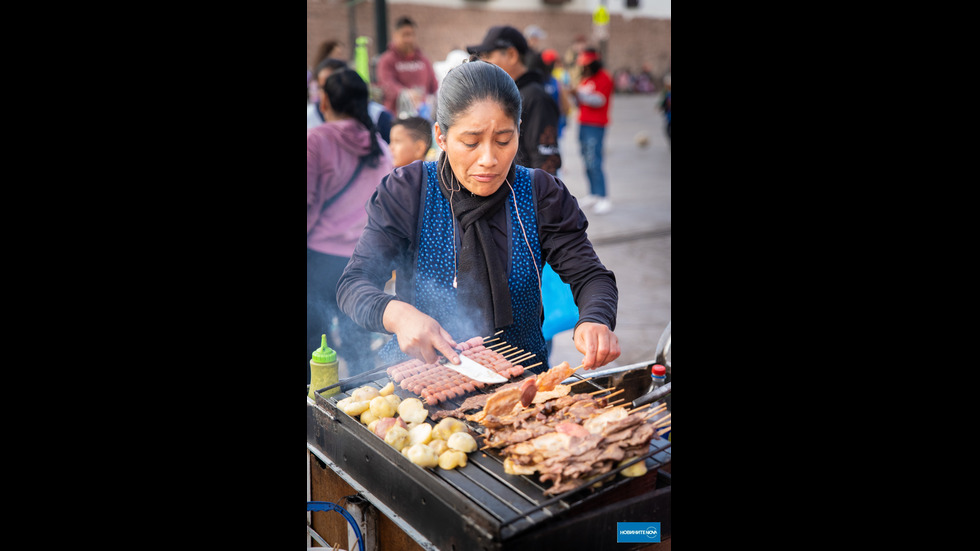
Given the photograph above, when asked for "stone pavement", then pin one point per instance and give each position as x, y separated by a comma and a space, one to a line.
633, 240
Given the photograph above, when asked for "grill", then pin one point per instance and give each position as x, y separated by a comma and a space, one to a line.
480, 506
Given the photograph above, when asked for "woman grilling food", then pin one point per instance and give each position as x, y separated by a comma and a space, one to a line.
468, 236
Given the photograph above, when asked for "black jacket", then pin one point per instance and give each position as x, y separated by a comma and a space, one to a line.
390, 242
539, 125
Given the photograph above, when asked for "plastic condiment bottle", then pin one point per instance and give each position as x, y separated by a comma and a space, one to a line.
659, 375
323, 370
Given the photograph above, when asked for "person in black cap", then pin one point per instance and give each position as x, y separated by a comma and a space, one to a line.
505, 47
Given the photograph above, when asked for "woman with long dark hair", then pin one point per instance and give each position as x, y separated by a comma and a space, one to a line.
468, 236
345, 160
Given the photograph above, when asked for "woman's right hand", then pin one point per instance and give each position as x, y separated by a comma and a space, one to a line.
419, 335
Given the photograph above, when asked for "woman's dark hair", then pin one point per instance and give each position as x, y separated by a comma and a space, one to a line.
475, 81
348, 94
329, 63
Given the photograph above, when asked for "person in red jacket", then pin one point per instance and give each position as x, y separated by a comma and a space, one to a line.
405, 74
593, 96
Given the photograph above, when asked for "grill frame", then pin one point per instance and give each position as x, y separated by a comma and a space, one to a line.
479, 506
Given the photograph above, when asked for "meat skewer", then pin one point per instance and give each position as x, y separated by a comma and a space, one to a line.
437, 383
566, 440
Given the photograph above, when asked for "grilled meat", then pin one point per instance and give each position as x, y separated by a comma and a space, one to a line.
567, 440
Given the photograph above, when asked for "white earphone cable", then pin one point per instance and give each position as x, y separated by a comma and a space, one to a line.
529, 250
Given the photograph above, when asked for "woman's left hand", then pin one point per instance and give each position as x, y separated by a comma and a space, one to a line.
597, 342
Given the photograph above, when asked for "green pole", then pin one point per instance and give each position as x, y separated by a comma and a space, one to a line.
361, 63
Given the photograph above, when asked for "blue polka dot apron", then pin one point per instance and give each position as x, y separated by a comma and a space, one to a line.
435, 269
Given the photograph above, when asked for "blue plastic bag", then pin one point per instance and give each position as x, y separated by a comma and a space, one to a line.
560, 311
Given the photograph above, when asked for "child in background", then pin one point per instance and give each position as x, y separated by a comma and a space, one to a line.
411, 139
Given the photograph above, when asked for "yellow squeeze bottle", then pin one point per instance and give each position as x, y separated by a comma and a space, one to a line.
323, 370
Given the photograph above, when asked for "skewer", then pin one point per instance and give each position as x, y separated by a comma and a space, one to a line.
658, 409
534, 365
660, 421
485, 340
521, 358
663, 431
574, 369
501, 343
651, 414
612, 404
632, 411
515, 352
614, 393
595, 392
498, 332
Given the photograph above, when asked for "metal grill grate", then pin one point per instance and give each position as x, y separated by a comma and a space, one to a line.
516, 502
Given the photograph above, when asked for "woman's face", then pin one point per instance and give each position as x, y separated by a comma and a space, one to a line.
480, 146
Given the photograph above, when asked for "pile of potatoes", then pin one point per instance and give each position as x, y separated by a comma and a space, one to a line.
444, 445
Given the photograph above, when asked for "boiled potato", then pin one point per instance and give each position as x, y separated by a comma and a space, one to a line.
422, 455
341, 404
447, 427
438, 445
417, 415
420, 434
451, 459
385, 423
387, 389
394, 400
412, 410
381, 407
364, 394
355, 407
396, 437
461, 441
369, 417
637, 469
409, 404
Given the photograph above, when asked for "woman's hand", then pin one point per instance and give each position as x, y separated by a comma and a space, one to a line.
419, 335
599, 344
